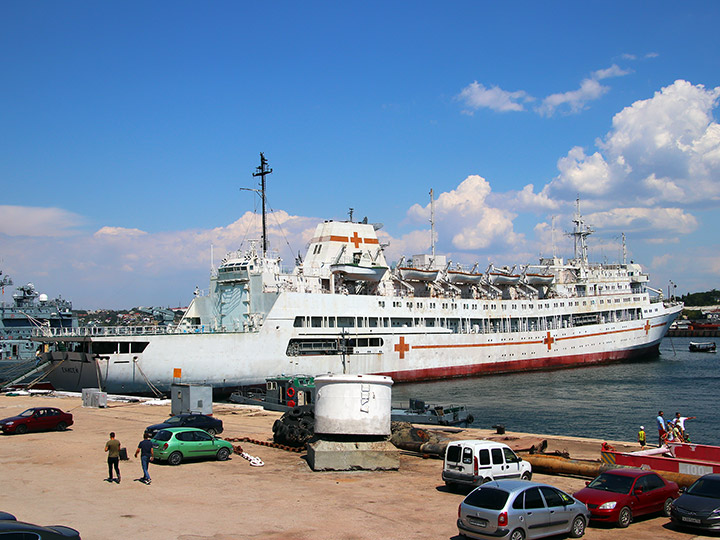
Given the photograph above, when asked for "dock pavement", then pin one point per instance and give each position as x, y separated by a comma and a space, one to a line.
57, 478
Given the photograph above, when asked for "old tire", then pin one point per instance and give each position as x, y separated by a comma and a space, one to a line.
22, 428
517, 534
223, 454
211, 431
577, 530
175, 458
666, 507
625, 517
62, 426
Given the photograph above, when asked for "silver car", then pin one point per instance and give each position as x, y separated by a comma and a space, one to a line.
518, 510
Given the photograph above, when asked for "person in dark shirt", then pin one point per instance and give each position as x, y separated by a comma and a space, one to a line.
145, 449
112, 447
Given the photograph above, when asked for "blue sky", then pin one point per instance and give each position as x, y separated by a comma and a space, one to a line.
127, 129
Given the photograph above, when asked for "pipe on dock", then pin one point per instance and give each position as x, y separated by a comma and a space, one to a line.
590, 469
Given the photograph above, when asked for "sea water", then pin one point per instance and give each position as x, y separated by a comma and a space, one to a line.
605, 402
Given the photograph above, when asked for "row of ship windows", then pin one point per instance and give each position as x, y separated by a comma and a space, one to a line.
491, 324
540, 305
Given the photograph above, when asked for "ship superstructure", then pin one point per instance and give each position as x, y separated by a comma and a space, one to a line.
28, 313
342, 309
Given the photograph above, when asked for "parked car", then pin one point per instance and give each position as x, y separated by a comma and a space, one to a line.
176, 444
37, 419
10, 527
212, 425
699, 505
474, 462
520, 509
616, 496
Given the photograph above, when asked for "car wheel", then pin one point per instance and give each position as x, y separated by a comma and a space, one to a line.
578, 527
625, 517
211, 432
517, 534
175, 458
223, 454
62, 426
526, 476
666, 507
22, 428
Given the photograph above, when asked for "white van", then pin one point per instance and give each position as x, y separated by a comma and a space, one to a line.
474, 462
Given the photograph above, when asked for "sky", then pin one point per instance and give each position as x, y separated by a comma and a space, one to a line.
128, 131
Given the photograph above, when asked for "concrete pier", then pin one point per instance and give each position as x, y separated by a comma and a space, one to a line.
58, 478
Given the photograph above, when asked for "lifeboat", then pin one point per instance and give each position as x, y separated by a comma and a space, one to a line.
417, 274
356, 272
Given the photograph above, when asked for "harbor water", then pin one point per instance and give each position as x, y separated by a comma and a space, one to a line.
605, 402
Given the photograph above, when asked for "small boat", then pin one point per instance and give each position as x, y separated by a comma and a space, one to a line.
457, 276
702, 346
356, 272
418, 274
282, 393
682, 458
442, 415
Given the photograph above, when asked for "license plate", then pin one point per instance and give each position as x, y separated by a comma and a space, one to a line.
691, 520
477, 522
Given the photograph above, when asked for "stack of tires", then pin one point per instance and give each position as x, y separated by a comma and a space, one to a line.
295, 428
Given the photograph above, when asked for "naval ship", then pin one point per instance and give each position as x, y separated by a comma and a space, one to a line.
28, 313
343, 309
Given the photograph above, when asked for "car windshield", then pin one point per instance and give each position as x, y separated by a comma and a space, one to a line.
29, 412
614, 483
705, 487
488, 498
173, 420
162, 435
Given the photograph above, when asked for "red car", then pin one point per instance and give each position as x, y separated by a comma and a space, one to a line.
37, 419
616, 496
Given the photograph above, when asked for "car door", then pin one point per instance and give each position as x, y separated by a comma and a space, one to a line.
652, 497
536, 514
559, 515
40, 420
205, 444
512, 464
186, 443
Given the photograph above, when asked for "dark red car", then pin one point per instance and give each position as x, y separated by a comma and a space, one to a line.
616, 496
37, 419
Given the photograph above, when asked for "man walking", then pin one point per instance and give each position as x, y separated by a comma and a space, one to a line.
112, 447
145, 449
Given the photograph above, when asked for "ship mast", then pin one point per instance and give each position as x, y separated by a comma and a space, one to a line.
432, 225
581, 232
262, 170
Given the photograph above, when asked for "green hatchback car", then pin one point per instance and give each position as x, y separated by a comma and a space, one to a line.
176, 444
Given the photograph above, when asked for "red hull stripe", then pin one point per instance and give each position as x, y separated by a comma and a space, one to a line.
533, 342
534, 364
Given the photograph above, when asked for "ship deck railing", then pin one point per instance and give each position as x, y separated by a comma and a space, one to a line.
124, 331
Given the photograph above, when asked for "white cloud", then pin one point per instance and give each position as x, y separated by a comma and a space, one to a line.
575, 100
465, 216
612, 71
477, 96
661, 152
34, 221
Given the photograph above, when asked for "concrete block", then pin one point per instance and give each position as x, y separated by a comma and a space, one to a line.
351, 456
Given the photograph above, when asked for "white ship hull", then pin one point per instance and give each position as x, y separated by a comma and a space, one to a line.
228, 360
